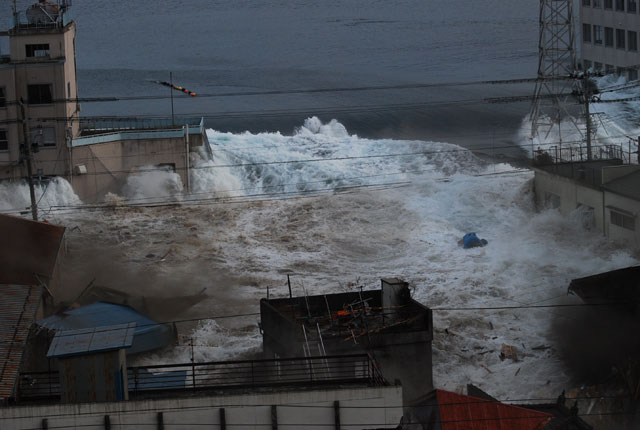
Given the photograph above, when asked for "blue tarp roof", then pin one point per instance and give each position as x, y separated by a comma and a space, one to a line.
148, 335
67, 343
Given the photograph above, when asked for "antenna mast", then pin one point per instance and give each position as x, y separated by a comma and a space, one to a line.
557, 81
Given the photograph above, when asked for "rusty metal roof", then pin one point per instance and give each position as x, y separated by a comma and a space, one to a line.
28, 251
19, 305
460, 412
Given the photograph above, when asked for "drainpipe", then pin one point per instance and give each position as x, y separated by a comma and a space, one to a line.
604, 211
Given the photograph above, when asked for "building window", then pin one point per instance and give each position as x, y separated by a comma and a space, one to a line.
633, 75
41, 50
4, 142
619, 71
597, 66
597, 34
608, 4
620, 5
586, 2
608, 69
608, 36
586, 33
44, 137
632, 6
551, 201
597, 3
3, 97
622, 220
632, 41
620, 39
587, 65
40, 94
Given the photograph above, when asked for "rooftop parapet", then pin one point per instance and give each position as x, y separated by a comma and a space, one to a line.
42, 16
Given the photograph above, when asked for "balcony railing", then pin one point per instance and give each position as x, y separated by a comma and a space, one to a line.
300, 371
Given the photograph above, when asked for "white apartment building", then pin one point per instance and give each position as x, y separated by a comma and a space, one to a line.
610, 31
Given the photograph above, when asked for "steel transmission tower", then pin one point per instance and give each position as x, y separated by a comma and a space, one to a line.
557, 81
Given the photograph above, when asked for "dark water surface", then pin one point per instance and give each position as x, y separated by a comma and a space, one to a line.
221, 46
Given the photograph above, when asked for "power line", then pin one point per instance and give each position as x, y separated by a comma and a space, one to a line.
303, 90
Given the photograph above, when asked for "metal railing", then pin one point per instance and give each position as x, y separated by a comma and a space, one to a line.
300, 371
568, 154
90, 126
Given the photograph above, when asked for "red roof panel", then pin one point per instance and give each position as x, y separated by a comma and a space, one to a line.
460, 412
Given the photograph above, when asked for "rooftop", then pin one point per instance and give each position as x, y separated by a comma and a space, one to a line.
70, 343
353, 316
29, 250
586, 172
118, 128
628, 185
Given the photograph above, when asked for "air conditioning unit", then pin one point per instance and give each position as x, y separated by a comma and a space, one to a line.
80, 169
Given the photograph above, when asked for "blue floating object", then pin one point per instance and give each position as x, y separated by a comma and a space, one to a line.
471, 240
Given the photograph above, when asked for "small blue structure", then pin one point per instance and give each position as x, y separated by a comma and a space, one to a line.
148, 335
471, 240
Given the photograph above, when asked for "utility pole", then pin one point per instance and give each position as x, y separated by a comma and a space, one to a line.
28, 156
173, 122
587, 100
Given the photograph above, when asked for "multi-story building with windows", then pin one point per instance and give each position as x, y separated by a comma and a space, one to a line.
40, 73
610, 31
39, 109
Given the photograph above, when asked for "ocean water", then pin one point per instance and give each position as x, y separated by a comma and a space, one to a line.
225, 46
271, 204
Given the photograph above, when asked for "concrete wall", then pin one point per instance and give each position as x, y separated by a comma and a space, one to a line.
571, 196
629, 208
296, 409
613, 56
109, 164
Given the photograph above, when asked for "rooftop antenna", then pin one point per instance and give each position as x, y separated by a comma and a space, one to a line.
557, 80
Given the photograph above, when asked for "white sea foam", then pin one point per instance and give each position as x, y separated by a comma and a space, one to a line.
152, 184
15, 197
612, 124
412, 232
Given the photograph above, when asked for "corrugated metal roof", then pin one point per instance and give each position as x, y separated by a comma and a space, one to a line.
91, 340
459, 412
28, 248
149, 335
19, 305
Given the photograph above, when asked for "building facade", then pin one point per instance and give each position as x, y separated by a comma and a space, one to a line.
602, 196
610, 30
38, 94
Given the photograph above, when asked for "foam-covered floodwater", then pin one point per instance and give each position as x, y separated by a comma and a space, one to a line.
337, 237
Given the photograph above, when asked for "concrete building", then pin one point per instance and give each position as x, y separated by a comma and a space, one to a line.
40, 109
40, 72
610, 31
602, 195
395, 330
